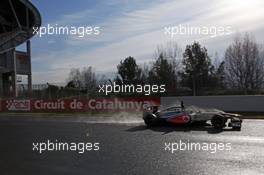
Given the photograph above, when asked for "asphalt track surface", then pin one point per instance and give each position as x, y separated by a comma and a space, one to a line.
126, 148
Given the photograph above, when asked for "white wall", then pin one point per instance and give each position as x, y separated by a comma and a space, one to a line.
226, 103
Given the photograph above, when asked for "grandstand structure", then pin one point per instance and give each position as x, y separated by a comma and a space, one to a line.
17, 20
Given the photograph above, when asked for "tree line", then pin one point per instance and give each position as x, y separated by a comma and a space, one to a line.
188, 72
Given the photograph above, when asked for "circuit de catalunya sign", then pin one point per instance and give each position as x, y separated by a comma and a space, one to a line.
78, 105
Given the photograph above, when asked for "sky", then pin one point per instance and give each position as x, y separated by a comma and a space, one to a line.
133, 28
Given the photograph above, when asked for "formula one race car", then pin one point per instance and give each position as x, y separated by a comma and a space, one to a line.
181, 115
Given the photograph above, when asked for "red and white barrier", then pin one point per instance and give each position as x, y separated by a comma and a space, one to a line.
78, 105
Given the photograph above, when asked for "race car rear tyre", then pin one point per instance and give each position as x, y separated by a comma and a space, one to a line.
218, 122
149, 120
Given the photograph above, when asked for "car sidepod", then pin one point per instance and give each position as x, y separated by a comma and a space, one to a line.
176, 117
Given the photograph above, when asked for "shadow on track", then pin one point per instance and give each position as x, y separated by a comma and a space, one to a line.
168, 128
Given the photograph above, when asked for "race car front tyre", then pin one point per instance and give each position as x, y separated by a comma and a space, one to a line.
237, 128
218, 122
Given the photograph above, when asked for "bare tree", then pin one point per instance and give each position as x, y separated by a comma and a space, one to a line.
244, 64
74, 79
88, 79
144, 73
172, 52
165, 66
84, 80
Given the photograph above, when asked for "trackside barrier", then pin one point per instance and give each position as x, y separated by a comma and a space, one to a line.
78, 105
254, 103
226, 103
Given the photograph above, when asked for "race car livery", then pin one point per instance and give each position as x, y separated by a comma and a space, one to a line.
192, 114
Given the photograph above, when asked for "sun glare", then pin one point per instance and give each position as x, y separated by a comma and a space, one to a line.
246, 5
